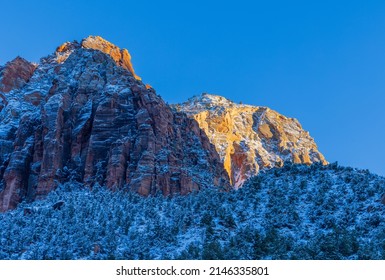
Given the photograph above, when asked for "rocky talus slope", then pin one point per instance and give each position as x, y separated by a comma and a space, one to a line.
82, 114
250, 138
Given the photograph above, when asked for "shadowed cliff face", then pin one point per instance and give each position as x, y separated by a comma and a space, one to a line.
15, 74
84, 115
250, 138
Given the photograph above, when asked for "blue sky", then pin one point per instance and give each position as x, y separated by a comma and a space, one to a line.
322, 62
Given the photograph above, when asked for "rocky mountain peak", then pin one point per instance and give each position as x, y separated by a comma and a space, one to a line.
82, 116
121, 56
250, 138
65, 50
15, 74
213, 99
206, 101
209, 102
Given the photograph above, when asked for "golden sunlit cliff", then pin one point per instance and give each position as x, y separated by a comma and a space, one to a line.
250, 138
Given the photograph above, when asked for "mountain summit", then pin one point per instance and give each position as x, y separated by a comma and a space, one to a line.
83, 115
121, 56
250, 138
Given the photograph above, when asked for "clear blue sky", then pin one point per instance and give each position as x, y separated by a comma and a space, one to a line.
322, 62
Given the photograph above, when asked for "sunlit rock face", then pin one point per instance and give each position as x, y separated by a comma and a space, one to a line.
121, 56
250, 138
83, 115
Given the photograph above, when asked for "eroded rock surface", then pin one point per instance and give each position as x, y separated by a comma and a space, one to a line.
15, 74
250, 138
84, 115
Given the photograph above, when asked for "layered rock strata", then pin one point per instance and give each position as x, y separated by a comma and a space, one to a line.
83, 115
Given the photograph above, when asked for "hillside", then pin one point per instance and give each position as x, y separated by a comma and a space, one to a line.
295, 212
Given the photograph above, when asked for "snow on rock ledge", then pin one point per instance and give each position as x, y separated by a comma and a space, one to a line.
250, 138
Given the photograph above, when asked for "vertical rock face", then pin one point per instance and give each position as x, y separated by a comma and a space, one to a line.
15, 74
85, 116
250, 138
120, 56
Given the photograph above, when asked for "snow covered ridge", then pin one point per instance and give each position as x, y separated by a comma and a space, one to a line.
83, 115
294, 212
250, 138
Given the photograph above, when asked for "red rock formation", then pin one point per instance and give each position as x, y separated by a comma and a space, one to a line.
83, 116
15, 74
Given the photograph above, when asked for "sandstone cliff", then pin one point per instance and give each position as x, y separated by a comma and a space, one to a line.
250, 138
15, 74
83, 114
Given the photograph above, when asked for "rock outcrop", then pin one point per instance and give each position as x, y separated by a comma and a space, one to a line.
15, 74
250, 138
83, 115
121, 56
